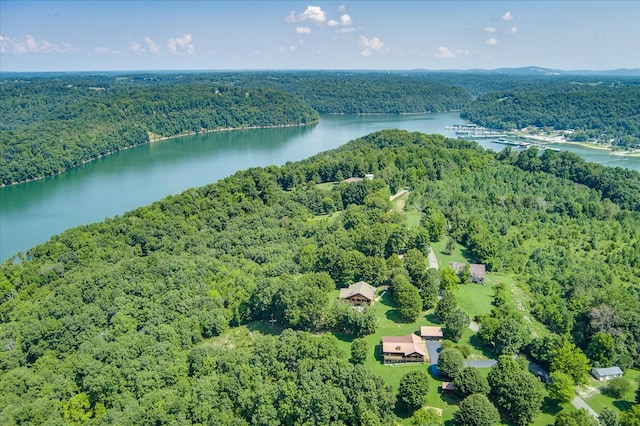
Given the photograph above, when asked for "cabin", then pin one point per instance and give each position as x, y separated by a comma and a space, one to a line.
402, 349
431, 333
477, 271
447, 388
606, 373
359, 294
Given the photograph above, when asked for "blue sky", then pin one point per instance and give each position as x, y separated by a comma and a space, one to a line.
378, 35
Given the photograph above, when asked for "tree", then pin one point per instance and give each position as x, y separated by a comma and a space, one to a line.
449, 279
477, 410
434, 222
561, 388
450, 362
510, 336
571, 360
631, 417
428, 417
413, 388
446, 305
617, 387
455, 324
515, 390
579, 417
609, 417
470, 381
359, 349
406, 297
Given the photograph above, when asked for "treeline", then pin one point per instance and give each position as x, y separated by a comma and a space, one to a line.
51, 125
598, 111
116, 322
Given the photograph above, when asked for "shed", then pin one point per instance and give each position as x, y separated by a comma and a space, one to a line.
606, 373
428, 332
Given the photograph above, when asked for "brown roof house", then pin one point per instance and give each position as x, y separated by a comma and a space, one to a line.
358, 294
448, 388
428, 332
477, 270
409, 348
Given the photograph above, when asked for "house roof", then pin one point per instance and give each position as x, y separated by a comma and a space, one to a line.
362, 288
430, 331
353, 179
448, 386
477, 270
405, 345
609, 371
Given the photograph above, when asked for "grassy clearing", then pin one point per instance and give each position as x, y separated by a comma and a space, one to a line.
598, 400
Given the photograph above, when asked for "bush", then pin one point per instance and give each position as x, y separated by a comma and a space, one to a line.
617, 387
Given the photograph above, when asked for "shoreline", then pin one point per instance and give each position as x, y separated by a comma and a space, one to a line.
154, 140
561, 140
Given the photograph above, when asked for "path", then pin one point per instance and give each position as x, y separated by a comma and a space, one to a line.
398, 194
580, 403
433, 260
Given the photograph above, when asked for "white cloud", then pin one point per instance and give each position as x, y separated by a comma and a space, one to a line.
32, 45
303, 30
507, 16
514, 30
342, 8
152, 45
181, 45
491, 42
135, 47
346, 30
371, 45
462, 52
490, 29
345, 20
312, 14
445, 53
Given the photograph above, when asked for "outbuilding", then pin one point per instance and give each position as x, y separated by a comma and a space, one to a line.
606, 373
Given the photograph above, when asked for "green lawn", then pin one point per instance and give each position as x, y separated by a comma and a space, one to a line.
598, 400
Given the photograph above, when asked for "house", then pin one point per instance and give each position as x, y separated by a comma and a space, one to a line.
358, 294
409, 348
448, 388
368, 176
606, 373
430, 333
477, 271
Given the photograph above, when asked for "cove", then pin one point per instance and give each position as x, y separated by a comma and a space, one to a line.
32, 212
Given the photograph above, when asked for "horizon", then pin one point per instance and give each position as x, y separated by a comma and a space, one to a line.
207, 36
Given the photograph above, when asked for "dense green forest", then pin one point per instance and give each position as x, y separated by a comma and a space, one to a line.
596, 111
118, 322
51, 125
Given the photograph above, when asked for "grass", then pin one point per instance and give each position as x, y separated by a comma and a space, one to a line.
599, 400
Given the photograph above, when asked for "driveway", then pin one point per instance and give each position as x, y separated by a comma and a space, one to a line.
480, 363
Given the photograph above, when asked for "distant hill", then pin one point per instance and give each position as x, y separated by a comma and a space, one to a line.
539, 71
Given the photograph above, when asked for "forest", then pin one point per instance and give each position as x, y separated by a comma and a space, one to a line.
595, 111
51, 125
54, 123
125, 321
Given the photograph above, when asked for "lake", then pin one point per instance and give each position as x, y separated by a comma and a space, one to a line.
32, 212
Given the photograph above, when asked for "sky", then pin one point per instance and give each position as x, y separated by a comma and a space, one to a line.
329, 35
